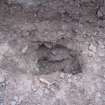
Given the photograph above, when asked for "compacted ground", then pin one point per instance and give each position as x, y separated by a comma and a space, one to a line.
52, 52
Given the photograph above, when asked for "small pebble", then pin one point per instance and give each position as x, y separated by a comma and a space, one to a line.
24, 49
99, 14
92, 48
62, 75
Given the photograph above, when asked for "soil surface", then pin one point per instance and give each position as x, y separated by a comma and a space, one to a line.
52, 52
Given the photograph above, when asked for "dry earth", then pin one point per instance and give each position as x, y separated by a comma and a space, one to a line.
52, 52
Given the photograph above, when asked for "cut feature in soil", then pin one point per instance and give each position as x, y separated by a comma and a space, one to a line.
57, 58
